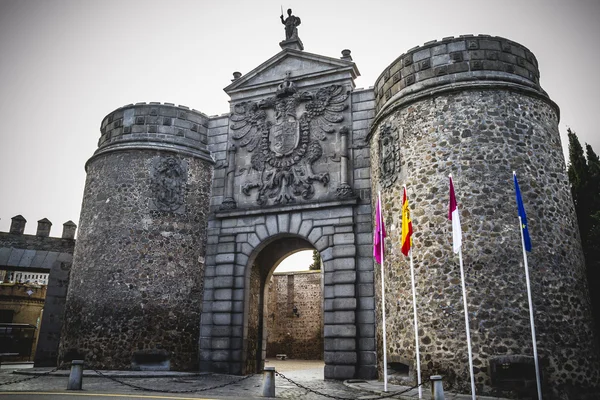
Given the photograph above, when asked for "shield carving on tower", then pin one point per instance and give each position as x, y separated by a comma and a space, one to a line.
284, 137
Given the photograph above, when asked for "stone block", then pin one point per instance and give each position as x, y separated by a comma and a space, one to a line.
341, 277
366, 330
322, 243
368, 372
342, 228
261, 232
365, 264
220, 282
344, 251
238, 306
327, 254
237, 319
343, 238
295, 221
366, 303
272, 226
365, 290
340, 357
283, 220
340, 331
253, 240
221, 331
366, 344
241, 259
315, 234
339, 317
224, 270
221, 343
220, 355
305, 227
328, 291
343, 264
344, 290
339, 304
333, 344
222, 306
223, 294
222, 318
366, 277
238, 294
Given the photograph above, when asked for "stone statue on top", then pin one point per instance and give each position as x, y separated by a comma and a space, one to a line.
291, 25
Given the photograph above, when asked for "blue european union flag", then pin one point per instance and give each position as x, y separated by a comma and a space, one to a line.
524, 227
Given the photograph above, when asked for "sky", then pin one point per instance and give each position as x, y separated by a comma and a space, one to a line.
65, 64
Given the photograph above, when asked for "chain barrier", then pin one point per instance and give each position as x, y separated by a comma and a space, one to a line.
138, 387
33, 377
385, 396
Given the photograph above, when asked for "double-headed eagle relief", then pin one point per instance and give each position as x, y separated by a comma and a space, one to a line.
283, 133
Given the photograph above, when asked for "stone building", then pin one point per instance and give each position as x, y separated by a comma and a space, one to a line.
185, 217
34, 272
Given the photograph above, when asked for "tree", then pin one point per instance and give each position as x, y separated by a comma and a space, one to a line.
316, 264
584, 176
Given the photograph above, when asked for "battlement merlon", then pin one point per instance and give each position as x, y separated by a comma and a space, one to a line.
155, 126
17, 227
454, 63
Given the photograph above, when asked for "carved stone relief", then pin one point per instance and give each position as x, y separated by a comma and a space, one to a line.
168, 183
283, 134
389, 155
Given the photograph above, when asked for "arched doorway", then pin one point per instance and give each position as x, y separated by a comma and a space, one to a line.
260, 313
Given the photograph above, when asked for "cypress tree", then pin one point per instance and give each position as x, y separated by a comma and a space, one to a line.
584, 176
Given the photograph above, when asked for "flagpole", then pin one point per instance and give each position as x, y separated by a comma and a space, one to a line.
412, 276
464, 293
457, 244
535, 355
385, 377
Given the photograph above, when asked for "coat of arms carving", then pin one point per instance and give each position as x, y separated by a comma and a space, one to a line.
389, 158
169, 178
283, 134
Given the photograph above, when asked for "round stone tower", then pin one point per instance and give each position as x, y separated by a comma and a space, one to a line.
136, 283
473, 106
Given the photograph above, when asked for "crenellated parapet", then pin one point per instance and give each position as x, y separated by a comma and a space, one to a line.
455, 62
155, 126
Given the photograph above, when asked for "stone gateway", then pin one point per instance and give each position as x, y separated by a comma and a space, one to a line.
185, 218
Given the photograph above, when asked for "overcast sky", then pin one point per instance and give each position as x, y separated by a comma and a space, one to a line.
65, 64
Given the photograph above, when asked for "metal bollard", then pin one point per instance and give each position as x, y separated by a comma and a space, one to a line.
437, 389
76, 375
268, 385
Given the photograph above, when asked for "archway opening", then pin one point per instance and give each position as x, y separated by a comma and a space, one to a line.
285, 305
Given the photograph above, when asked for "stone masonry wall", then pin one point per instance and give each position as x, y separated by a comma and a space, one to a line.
298, 336
481, 135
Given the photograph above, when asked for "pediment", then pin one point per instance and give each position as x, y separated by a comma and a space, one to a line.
303, 66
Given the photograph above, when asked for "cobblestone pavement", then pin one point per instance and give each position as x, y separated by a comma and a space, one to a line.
193, 385
307, 373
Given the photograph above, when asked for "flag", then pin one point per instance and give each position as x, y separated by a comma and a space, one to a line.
453, 216
407, 229
524, 229
379, 233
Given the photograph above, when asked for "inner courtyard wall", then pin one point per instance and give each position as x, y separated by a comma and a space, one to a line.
298, 334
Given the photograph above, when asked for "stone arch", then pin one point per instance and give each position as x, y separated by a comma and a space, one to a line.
236, 242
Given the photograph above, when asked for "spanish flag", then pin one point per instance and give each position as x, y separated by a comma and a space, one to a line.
407, 229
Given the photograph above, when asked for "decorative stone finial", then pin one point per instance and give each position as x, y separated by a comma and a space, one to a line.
236, 75
346, 55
